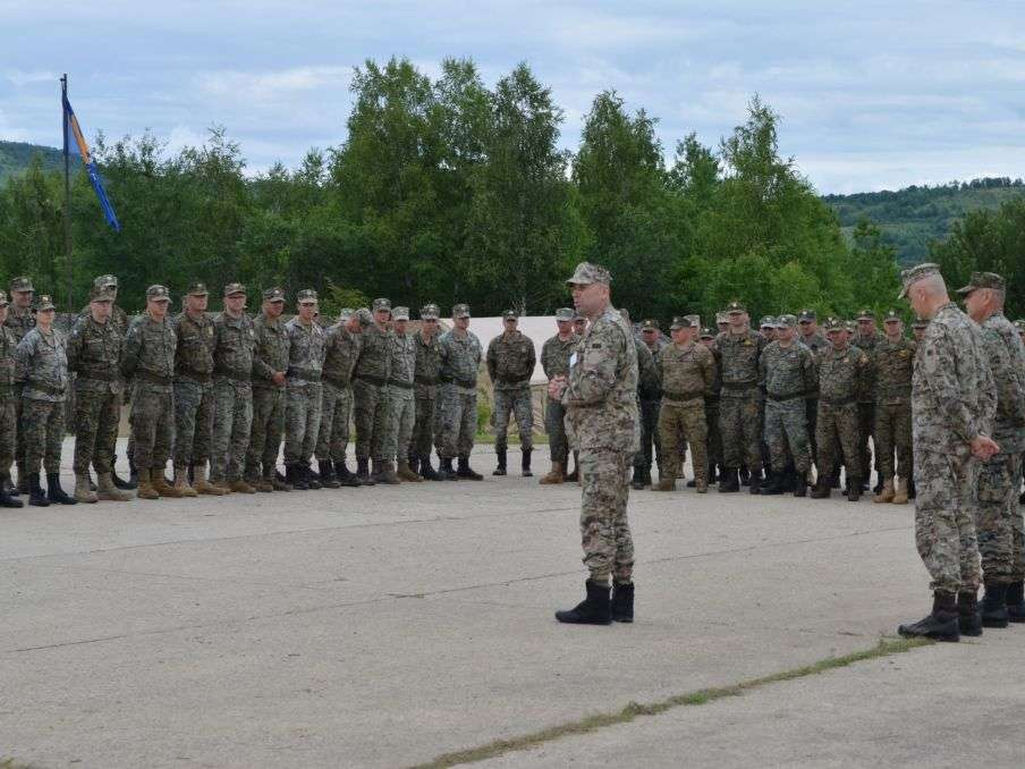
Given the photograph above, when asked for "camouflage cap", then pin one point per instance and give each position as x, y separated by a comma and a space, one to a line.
835, 324
102, 294
105, 281
234, 288
735, 308
345, 314
510, 315
891, 316
158, 293
586, 273
720, 317
46, 303
564, 314
365, 317
382, 304
1018, 324
786, 321
851, 326
984, 280
430, 312
198, 289
767, 321
922, 323
807, 315
274, 294
400, 313
707, 333
679, 321
909, 277
306, 296
650, 325
4, 301
460, 311
865, 314
21, 283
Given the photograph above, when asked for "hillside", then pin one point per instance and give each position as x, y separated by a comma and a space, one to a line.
911, 217
15, 157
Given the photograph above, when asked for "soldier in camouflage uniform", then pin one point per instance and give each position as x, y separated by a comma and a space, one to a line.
600, 396
510, 360
20, 320
8, 407
894, 359
998, 518
270, 363
234, 350
425, 390
303, 390
650, 394
94, 353
555, 362
788, 373
767, 328
341, 349
686, 370
457, 419
401, 402
953, 402
149, 350
739, 349
712, 397
814, 340
866, 339
194, 394
370, 391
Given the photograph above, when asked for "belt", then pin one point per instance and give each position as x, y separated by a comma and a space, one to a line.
426, 380
336, 381
838, 401
311, 374
788, 397
684, 396
469, 384
378, 381
149, 376
739, 385
401, 384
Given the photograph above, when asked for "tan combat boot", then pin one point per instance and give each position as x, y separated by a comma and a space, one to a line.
146, 490
202, 485
181, 483
261, 484
107, 491
555, 475
900, 496
241, 487
886, 494
82, 491
160, 484
406, 473
667, 483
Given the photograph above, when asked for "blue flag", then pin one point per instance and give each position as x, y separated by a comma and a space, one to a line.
74, 144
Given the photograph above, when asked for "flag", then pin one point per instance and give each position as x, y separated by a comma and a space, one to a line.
74, 144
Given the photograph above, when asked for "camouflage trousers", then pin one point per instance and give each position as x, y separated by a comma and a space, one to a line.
649, 436
423, 428
193, 422
893, 434
8, 434
335, 412
457, 421
604, 528
371, 418
786, 434
996, 513
944, 521
740, 424
518, 402
19, 438
680, 424
42, 425
836, 432
866, 433
811, 411
401, 417
152, 424
555, 427
302, 421
96, 418
714, 436
267, 431
233, 420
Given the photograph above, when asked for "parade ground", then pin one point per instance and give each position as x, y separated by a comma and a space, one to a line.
413, 625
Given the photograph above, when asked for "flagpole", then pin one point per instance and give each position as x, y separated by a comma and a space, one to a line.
67, 193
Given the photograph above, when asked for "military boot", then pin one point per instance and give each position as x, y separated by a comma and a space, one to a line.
745, 475
445, 471
344, 476
145, 488
622, 604
941, 624
133, 473
427, 472
202, 485
276, 480
853, 489
386, 473
7, 499
969, 616
665, 483
596, 609
405, 473
754, 485
160, 484
900, 492
22, 486
327, 474
181, 482
312, 478
261, 484
774, 486
800, 484
525, 464
465, 471
500, 468
729, 481
1015, 598
887, 493
994, 606
638, 479
238, 486
554, 476
363, 472
121, 483
9, 486
823, 488
295, 474
82, 490
107, 491
55, 493
37, 497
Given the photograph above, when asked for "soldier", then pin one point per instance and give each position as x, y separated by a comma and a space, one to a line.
579, 327
722, 322
602, 420
844, 373
94, 352
555, 354
41, 365
341, 348
953, 402
686, 370
739, 349
234, 349
425, 390
918, 329
194, 394
401, 402
712, 395
20, 320
998, 519
894, 359
270, 363
650, 394
303, 390
767, 328
370, 390
867, 339
8, 407
807, 323
457, 421
511, 360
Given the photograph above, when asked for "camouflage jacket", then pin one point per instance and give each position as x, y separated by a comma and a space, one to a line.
234, 348
271, 355
843, 375
305, 352
41, 364
460, 359
686, 372
403, 360
8, 344
953, 396
555, 355
374, 359
511, 360
738, 356
1006, 355
194, 358
648, 386
117, 315
341, 349
788, 373
20, 323
94, 353
815, 342
601, 395
428, 366
868, 344
893, 364
149, 351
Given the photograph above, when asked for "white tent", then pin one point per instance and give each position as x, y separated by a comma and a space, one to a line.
538, 327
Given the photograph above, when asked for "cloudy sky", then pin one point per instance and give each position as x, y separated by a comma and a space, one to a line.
873, 95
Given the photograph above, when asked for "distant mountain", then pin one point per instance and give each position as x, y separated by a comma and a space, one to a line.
16, 156
911, 217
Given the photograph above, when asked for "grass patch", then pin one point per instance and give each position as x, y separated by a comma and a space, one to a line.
884, 648
9, 763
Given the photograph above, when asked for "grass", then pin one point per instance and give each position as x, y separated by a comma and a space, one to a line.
587, 724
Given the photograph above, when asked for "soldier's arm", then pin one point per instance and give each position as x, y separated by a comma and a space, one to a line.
492, 360
132, 349
23, 358
939, 373
532, 360
594, 375
261, 369
809, 372
545, 361
708, 370
74, 346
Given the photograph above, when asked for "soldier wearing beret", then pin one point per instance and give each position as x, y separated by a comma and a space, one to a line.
270, 363
894, 360
341, 348
303, 390
555, 354
510, 360
425, 390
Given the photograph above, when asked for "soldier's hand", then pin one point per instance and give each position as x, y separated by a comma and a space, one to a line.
556, 386
984, 447
278, 378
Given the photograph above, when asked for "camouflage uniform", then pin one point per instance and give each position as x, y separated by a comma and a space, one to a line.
788, 374
270, 357
650, 393
457, 402
341, 350
149, 358
8, 403
401, 402
555, 361
510, 360
893, 364
686, 372
41, 365
740, 405
234, 350
193, 390
713, 394
94, 353
868, 344
19, 323
304, 391
843, 376
425, 390
370, 391
816, 342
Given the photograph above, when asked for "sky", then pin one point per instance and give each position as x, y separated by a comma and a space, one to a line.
872, 95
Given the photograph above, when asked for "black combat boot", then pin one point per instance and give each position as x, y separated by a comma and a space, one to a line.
296, 475
623, 602
774, 486
9, 487
525, 464
312, 479
6, 498
596, 609
465, 471
500, 470
55, 493
327, 474
37, 497
121, 483
994, 605
133, 474
445, 471
1015, 598
745, 475
729, 481
941, 624
822, 488
755, 484
969, 617
853, 489
638, 479
346, 478
427, 472
800, 484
